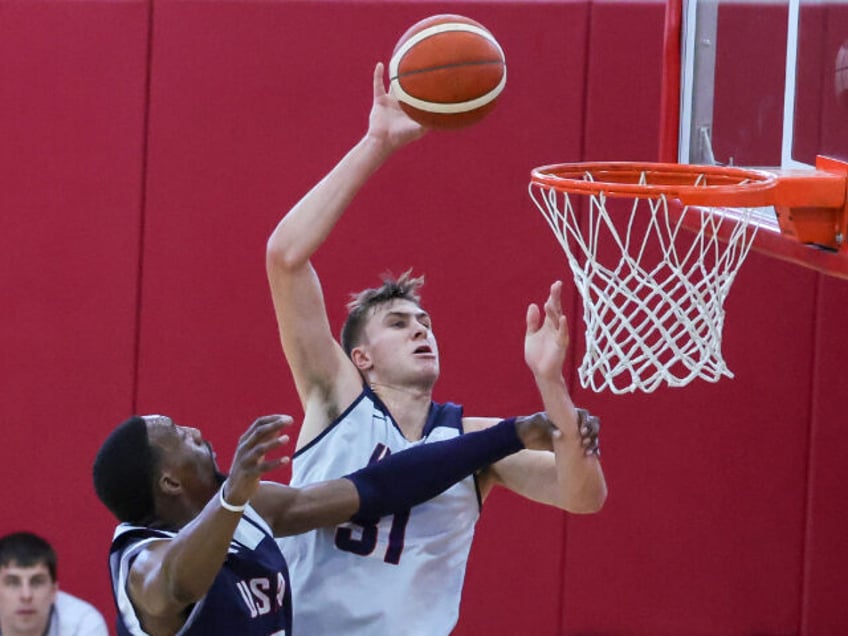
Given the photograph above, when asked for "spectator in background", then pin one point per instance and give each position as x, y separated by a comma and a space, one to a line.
30, 601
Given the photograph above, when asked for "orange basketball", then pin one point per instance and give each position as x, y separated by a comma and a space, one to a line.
447, 71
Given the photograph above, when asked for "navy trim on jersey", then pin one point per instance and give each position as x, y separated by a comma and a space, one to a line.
454, 411
332, 425
479, 494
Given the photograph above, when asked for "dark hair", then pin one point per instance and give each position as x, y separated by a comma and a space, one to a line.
26, 550
404, 287
124, 472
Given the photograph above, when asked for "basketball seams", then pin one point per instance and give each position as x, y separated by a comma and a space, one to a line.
451, 108
432, 31
442, 67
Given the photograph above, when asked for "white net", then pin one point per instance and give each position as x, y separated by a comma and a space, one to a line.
653, 291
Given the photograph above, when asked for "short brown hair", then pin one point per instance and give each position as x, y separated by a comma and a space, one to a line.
27, 550
404, 287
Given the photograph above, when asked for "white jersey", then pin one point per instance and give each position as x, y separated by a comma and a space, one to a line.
400, 576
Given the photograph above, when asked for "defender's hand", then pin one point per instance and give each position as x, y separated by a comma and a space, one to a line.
251, 462
589, 427
536, 431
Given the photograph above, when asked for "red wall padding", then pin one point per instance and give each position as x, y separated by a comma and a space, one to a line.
723, 515
72, 103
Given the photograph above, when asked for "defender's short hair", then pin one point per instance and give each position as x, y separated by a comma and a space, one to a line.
27, 550
404, 287
124, 472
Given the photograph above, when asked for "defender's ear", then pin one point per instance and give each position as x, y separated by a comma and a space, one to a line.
169, 484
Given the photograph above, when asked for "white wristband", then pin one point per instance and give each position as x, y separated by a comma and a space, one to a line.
228, 506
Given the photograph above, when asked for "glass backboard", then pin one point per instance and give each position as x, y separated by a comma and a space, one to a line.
764, 83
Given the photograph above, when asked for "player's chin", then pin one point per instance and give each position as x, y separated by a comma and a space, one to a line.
429, 374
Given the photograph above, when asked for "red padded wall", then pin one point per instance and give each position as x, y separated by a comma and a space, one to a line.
71, 140
825, 550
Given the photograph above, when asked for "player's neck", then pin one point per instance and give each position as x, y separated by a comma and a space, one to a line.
409, 407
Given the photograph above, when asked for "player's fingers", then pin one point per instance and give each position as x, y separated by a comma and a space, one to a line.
272, 464
258, 451
587, 436
259, 422
589, 429
268, 425
379, 86
554, 302
562, 331
592, 425
262, 430
532, 318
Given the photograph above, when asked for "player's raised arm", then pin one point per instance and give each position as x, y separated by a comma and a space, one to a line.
580, 484
323, 375
571, 477
580, 479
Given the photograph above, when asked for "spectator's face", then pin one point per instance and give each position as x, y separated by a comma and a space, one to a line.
26, 596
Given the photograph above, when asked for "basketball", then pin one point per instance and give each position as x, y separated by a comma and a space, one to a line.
447, 71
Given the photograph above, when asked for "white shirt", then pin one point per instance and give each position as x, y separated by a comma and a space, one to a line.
72, 616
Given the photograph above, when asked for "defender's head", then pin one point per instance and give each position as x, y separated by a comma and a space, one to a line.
149, 470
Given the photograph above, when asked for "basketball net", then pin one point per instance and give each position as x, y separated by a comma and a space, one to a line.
653, 292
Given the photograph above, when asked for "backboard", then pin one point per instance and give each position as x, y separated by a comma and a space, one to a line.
764, 83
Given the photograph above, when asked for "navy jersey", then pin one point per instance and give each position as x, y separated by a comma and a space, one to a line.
251, 595
401, 575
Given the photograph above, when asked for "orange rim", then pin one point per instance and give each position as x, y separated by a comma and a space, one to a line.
811, 205
718, 185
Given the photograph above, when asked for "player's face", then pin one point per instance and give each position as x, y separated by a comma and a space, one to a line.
26, 596
185, 452
401, 345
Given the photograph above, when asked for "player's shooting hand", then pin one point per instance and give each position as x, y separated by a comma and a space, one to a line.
546, 339
536, 431
251, 460
387, 122
589, 427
